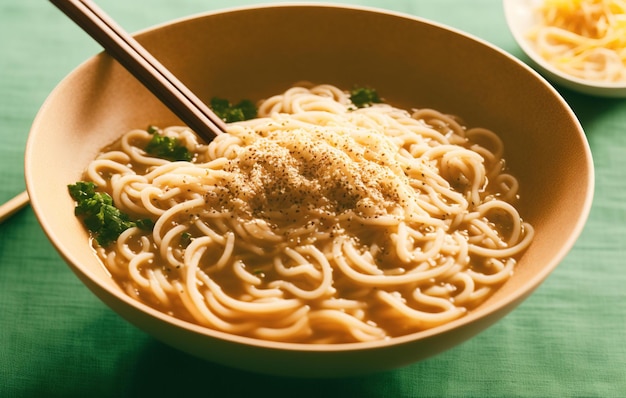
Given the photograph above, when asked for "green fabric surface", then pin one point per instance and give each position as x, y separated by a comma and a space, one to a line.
58, 339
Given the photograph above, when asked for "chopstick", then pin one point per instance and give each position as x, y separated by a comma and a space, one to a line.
147, 69
13, 206
141, 64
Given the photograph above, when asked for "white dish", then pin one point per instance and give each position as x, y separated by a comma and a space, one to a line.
520, 18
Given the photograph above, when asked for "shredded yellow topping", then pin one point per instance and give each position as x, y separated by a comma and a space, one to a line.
584, 38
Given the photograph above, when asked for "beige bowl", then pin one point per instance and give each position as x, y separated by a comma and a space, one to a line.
254, 52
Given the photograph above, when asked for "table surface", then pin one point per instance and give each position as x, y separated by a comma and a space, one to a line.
58, 339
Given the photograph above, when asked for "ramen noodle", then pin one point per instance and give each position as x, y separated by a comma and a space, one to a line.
317, 222
583, 38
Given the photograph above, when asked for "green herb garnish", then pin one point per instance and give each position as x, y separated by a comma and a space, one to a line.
185, 239
244, 110
362, 97
166, 147
105, 221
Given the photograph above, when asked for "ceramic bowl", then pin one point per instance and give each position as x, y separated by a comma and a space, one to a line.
520, 19
259, 51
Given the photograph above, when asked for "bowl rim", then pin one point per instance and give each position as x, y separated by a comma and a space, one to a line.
517, 14
528, 287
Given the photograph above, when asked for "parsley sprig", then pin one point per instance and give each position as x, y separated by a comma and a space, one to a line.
105, 221
165, 147
229, 113
362, 97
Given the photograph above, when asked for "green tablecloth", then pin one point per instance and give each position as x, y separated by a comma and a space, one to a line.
57, 339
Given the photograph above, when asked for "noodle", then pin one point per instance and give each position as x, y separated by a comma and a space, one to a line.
317, 222
583, 38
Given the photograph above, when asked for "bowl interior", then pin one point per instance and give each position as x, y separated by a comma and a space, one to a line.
412, 63
520, 18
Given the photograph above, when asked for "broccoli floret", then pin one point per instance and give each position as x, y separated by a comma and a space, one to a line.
105, 221
362, 97
229, 113
166, 147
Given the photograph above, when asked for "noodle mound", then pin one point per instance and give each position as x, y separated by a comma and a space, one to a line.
317, 222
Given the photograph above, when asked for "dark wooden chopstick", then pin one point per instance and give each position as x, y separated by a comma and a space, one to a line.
12, 206
145, 67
